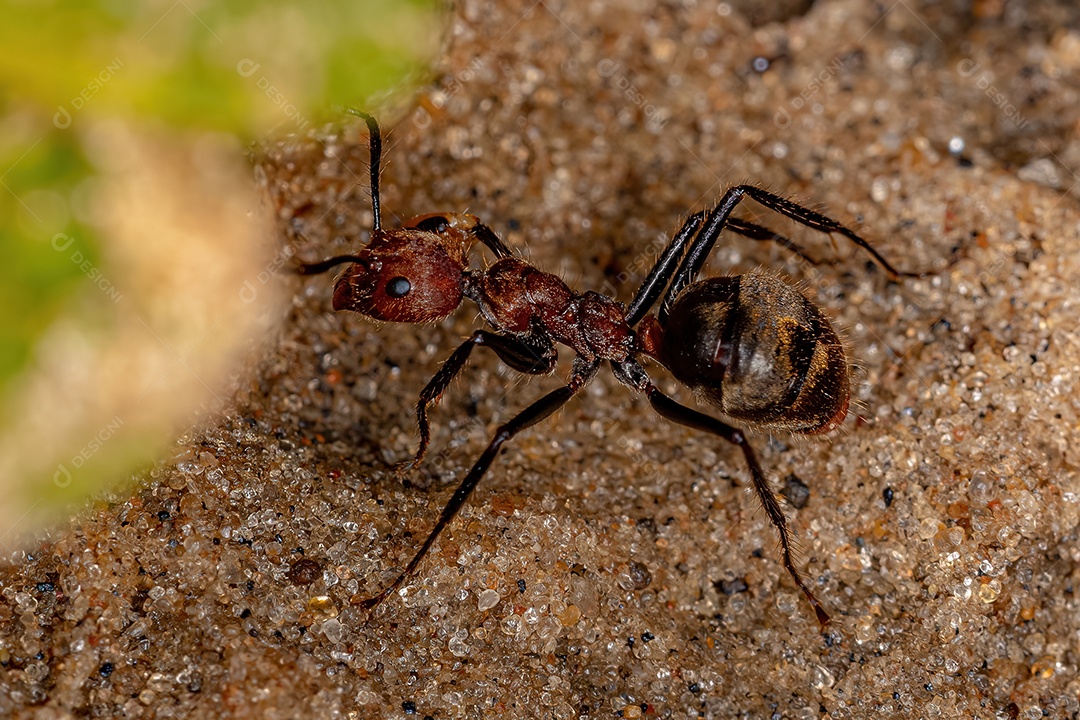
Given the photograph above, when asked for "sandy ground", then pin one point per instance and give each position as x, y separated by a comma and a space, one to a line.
613, 565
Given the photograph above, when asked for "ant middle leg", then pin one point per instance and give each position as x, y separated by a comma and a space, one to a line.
582, 374
720, 218
533, 355
759, 232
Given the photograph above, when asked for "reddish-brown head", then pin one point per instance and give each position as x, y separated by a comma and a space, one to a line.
413, 274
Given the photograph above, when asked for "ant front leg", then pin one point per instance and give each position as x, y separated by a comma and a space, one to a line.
533, 354
582, 375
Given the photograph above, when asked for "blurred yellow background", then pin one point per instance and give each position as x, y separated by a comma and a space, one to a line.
130, 219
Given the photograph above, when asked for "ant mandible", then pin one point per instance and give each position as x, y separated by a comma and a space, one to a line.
750, 345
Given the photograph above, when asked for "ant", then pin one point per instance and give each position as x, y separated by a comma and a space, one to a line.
751, 345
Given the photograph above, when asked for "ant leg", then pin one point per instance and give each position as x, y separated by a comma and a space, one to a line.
701, 247
630, 373
758, 232
683, 415
534, 355
817, 221
581, 375
720, 218
661, 271
664, 268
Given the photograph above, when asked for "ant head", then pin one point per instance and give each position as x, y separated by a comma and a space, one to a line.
413, 274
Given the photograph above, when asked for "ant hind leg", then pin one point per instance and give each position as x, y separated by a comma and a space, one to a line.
720, 219
683, 415
817, 221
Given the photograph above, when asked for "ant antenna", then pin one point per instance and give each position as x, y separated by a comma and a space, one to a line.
376, 152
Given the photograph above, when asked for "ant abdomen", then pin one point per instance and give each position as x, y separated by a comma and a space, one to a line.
756, 348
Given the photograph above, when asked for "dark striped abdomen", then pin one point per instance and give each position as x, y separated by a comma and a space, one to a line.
757, 349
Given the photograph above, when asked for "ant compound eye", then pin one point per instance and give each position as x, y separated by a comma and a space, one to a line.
398, 287
436, 224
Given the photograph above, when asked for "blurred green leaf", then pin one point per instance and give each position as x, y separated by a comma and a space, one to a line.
237, 66
36, 278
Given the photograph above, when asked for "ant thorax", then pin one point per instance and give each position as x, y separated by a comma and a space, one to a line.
516, 297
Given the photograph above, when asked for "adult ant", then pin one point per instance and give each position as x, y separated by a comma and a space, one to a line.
750, 345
